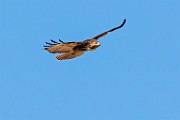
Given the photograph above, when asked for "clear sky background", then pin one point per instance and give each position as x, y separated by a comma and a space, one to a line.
133, 75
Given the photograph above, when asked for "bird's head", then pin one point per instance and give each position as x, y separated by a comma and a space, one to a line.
93, 45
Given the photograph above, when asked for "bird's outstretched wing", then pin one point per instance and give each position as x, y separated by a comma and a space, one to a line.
61, 47
70, 55
105, 33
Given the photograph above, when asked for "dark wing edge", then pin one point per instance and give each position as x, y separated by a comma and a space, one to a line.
111, 30
52, 43
55, 43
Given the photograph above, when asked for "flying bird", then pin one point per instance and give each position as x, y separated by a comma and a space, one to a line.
69, 50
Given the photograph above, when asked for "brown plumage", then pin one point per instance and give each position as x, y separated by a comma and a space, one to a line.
69, 50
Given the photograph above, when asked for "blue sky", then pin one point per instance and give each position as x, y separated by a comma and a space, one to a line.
133, 75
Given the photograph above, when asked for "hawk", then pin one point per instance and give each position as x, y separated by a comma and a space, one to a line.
69, 50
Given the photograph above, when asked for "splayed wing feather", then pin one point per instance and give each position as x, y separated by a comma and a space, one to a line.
61, 41
54, 42
50, 43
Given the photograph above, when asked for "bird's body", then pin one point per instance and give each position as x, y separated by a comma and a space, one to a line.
69, 50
